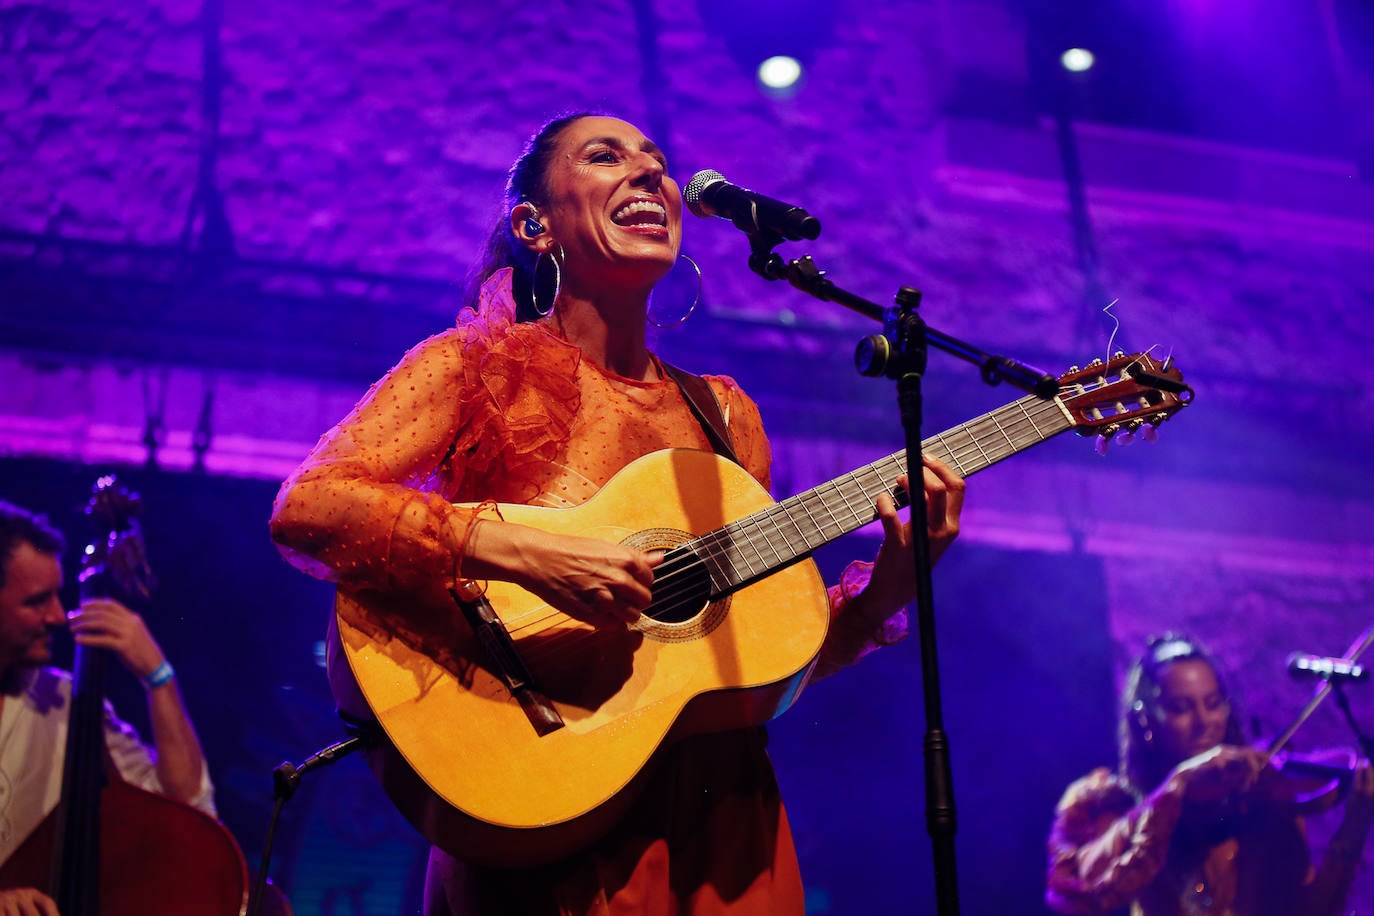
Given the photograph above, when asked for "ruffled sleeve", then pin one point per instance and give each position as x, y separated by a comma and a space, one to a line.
371, 504
361, 509
1105, 848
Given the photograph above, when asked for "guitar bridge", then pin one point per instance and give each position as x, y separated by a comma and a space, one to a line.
505, 661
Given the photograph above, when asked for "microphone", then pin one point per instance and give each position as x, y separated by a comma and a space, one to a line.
709, 194
1320, 667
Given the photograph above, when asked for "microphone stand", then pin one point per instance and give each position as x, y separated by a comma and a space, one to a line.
899, 353
1343, 703
286, 779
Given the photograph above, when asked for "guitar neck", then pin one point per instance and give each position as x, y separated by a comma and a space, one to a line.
768, 540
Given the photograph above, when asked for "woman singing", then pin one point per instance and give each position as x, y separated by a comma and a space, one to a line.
544, 390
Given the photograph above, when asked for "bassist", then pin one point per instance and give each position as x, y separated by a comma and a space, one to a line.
36, 697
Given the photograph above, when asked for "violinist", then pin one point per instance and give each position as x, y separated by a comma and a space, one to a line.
1194, 821
35, 698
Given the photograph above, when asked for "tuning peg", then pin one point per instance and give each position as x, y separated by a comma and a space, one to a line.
1100, 445
1124, 437
1149, 432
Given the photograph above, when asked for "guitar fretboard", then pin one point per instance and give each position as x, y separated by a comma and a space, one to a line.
770, 539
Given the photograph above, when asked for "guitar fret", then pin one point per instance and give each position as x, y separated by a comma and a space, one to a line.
830, 523
763, 535
721, 560
748, 536
991, 433
940, 449
1027, 414
810, 535
873, 483
1033, 417
772, 546
845, 495
976, 445
1003, 430
767, 540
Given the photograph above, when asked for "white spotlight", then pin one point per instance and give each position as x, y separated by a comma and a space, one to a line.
780, 72
1077, 60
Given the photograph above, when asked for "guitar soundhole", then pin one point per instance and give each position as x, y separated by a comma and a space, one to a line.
682, 608
682, 588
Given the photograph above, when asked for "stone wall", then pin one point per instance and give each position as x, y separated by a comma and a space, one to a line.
361, 146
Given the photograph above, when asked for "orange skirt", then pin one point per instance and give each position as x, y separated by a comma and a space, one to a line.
707, 836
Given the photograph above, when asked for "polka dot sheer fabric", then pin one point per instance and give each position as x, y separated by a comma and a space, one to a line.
490, 410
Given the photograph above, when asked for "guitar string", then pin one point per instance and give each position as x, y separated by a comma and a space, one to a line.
767, 520
989, 426
864, 481
873, 480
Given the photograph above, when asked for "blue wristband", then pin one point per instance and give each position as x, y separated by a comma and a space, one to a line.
161, 675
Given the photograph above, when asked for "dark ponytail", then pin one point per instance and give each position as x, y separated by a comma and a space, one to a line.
528, 181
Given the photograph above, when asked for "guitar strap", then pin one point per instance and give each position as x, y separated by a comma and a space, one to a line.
696, 391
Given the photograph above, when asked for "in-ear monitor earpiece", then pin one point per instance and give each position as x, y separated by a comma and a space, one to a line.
532, 225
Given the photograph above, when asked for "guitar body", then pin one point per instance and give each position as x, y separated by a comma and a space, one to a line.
465, 763
737, 620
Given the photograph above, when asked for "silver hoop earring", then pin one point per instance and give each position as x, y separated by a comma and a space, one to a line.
677, 281
557, 280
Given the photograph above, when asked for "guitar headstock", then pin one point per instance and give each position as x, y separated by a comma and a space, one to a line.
1124, 395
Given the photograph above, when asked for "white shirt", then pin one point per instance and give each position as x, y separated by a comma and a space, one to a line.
33, 741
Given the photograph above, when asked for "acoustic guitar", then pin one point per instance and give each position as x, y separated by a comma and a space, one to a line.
516, 734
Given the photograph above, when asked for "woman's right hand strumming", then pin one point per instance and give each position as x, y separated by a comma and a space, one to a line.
595, 581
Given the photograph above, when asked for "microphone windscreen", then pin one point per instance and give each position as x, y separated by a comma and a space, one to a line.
695, 186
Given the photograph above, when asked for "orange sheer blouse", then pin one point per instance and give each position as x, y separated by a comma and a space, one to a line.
491, 410
511, 412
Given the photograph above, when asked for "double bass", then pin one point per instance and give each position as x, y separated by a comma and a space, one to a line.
110, 848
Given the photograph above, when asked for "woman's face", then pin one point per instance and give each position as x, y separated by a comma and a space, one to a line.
1190, 714
612, 206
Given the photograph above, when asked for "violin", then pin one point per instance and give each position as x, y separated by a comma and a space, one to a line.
1314, 782
1309, 783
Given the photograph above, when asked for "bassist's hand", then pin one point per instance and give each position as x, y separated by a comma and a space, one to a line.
110, 625
595, 581
25, 901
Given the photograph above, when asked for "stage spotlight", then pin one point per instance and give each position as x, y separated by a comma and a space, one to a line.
780, 73
1077, 60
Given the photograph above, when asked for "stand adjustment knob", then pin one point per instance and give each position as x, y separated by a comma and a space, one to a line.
872, 354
